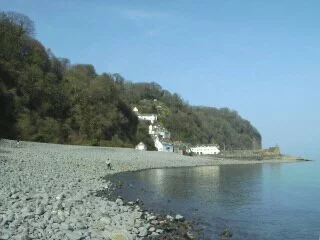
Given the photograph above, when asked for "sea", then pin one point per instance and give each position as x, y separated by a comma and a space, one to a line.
254, 201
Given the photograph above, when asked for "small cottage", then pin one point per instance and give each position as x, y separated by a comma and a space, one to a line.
167, 147
141, 146
135, 110
205, 149
148, 117
163, 146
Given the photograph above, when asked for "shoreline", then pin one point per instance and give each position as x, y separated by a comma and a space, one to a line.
231, 162
47, 190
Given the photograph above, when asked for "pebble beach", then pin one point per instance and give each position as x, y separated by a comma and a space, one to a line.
47, 191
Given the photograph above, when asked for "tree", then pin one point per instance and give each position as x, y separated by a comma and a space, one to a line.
45, 98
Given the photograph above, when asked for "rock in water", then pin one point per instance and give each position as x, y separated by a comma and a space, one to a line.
170, 218
119, 202
189, 235
130, 203
179, 217
226, 234
151, 217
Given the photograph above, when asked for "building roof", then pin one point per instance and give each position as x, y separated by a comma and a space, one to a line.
145, 114
206, 145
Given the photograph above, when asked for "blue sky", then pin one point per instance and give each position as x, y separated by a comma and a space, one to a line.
260, 58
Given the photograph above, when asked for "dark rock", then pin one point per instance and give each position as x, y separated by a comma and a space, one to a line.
160, 231
226, 234
189, 235
170, 229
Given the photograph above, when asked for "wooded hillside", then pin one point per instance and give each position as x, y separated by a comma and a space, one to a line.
45, 98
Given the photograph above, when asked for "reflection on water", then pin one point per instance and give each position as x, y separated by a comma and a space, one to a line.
182, 182
260, 201
203, 183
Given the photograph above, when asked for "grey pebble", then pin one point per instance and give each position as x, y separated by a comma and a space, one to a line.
40, 210
159, 231
143, 231
55, 193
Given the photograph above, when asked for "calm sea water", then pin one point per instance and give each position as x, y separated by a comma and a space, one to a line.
261, 201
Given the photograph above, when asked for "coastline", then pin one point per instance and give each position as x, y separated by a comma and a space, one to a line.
49, 190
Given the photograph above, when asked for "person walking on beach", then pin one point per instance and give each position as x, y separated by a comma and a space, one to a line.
108, 164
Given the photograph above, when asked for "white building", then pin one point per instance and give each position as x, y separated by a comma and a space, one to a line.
151, 130
148, 117
163, 146
158, 130
205, 149
141, 146
145, 117
164, 134
135, 109
167, 147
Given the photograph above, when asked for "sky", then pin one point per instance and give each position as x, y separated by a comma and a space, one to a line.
260, 58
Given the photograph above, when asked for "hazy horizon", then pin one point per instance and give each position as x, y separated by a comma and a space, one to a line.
259, 58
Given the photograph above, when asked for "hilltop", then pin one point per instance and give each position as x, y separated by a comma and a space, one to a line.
47, 99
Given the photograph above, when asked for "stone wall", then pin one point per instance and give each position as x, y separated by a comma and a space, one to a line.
269, 153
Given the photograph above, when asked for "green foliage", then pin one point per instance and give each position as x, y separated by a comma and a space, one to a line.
227, 128
45, 98
195, 125
143, 136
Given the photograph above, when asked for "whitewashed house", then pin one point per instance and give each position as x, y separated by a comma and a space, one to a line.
163, 146
205, 149
167, 147
148, 117
145, 117
151, 130
135, 110
160, 135
158, 130
141, 146
165, 134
